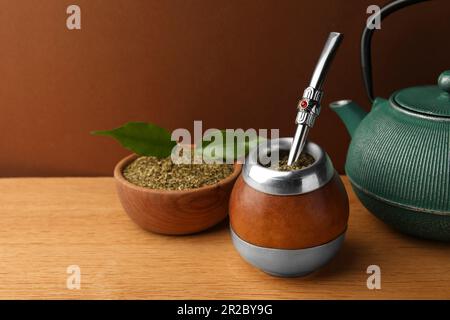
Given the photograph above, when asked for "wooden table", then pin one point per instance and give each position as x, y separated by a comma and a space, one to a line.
47, 224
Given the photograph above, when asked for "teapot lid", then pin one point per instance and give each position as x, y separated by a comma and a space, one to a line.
429, 100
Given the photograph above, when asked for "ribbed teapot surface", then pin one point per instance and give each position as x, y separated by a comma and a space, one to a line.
403, 158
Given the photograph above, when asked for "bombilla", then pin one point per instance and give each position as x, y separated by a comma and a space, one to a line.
309, 106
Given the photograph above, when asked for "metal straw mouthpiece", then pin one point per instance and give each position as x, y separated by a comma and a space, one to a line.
309, 105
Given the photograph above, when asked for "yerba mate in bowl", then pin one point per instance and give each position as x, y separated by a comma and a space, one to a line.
154, 173
165, 197
170, 211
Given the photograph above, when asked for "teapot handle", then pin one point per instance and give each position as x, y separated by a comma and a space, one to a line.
366, 40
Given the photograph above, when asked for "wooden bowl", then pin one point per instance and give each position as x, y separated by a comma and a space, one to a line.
174, 212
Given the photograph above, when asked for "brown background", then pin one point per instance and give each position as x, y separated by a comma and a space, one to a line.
234, 63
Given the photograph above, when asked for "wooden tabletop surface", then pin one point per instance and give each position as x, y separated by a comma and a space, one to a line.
48, 224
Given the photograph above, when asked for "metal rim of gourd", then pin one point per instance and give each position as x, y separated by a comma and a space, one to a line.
294, 182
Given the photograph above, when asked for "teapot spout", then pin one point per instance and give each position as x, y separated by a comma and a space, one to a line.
350, 113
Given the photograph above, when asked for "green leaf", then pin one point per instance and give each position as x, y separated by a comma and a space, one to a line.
223, 151
145, 139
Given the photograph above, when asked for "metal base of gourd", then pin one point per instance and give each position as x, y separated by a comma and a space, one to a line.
286, 262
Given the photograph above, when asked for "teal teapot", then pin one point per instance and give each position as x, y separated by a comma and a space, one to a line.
398, 161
